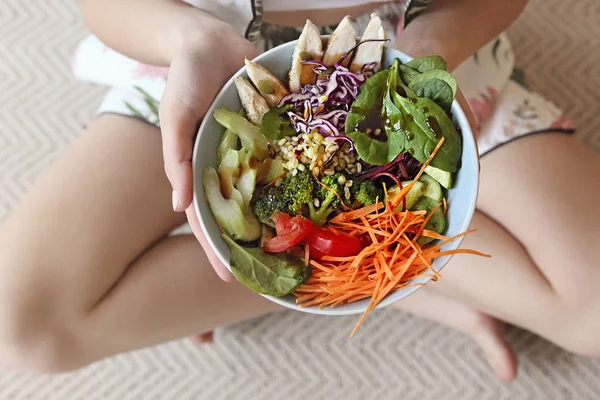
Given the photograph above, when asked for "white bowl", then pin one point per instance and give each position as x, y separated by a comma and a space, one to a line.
461, 198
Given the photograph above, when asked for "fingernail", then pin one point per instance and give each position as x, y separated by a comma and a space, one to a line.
175, 200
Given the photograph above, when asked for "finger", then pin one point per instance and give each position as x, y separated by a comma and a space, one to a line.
216, 263
179, 122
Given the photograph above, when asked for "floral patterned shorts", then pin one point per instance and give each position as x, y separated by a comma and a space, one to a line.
503, 105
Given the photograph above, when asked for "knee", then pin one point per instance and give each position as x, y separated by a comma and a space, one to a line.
582, 335
41, 349
36, 331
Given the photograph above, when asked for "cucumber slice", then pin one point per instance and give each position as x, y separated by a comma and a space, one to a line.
413, 195
445, 178
250, 135
436, 223
432, 188
229, 140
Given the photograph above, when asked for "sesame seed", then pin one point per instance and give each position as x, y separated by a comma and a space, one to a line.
301, 167
358, 167
342, 179
294, 172
316, 202
349, 183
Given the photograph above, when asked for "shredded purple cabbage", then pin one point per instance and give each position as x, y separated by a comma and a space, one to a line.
325, 105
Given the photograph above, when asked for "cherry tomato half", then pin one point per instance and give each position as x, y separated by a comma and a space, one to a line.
290, 232
324, 242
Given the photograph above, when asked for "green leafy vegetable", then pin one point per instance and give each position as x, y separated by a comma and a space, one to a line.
377, 152
431, 75
436, 90
276, 124
270, 274
425, 124
407, 74
376, 99
428, 63
368, 101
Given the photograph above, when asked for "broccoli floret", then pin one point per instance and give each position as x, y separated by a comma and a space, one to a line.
366, 192
298, 191
328, 200
291, 197
267, 202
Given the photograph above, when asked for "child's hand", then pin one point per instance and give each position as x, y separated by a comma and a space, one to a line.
196, 75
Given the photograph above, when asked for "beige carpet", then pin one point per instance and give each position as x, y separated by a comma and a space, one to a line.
288, 356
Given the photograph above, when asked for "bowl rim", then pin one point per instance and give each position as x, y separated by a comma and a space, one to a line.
466, 134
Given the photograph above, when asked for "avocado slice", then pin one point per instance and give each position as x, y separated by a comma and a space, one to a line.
432, 188
250, 135
445, 178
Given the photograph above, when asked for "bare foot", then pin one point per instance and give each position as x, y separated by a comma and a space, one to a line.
489, 335
487, 332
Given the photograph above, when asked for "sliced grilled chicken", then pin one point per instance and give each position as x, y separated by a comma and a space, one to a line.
341, 41
371, 51
271, 88
254, 104
308, 47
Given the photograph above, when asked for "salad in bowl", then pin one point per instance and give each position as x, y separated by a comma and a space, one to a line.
334, 175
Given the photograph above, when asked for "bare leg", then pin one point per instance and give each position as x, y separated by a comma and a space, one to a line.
544, 189
540, 188
86, 270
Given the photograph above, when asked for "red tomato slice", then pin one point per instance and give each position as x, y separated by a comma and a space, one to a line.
290, 232
323, 242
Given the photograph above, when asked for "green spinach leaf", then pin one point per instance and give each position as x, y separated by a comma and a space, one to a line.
436, 90
425, 124
368, 100
270, 274
431, 75
276, 124
407, 74
428, 63
377, 152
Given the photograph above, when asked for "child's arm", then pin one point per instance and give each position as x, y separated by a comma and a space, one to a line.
455, 29
154, 31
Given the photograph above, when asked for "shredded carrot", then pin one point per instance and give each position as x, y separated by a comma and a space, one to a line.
392, 260
445, 206
307, 255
